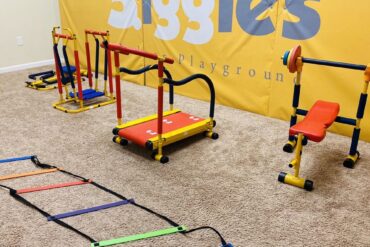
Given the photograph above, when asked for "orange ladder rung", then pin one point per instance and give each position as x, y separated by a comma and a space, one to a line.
26, 174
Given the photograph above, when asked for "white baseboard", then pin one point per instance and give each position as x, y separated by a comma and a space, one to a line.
26, 66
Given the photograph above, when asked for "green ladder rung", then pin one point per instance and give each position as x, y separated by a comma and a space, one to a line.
136, 237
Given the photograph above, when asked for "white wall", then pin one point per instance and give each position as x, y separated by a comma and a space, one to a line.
33, 20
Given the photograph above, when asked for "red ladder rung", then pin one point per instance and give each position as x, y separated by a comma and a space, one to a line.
52, 186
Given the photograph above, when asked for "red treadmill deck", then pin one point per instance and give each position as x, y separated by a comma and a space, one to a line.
142, 132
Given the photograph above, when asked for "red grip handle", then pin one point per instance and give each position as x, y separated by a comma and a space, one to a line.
169, 60
63, 36
96, 33
125, 50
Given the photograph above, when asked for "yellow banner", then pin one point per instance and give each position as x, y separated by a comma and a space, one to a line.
238, 44
96, 15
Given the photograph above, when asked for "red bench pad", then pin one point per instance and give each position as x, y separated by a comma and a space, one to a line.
321, 115
142, 132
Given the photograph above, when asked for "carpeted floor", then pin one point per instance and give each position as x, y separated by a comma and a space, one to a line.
230, 184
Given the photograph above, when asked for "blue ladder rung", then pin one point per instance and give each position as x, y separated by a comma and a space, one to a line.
17, 159
89, 210
88, 94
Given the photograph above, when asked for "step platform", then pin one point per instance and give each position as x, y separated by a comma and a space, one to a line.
65, 69
88, 94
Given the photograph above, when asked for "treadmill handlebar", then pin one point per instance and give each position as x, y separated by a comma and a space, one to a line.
206, 79
125, 50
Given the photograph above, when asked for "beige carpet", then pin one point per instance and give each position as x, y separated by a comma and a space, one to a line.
230, 184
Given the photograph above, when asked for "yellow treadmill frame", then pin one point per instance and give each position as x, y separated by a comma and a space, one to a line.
162, 139
170, 137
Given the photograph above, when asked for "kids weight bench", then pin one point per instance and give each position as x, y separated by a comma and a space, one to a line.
313, 127
319, 118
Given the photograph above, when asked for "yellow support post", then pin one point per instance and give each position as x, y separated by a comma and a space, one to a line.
118, 92
160, 139
209, 131
159, 156
298, 154
297, 82
105, 81
291, 144
56, 41
96, 79
351, 159
295, 180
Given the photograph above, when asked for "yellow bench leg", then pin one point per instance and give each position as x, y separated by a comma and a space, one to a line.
295, 180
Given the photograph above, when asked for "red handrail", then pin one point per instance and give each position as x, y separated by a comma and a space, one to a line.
125, 50
96, 32
63, 36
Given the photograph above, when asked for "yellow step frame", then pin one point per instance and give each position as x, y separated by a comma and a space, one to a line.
82, 108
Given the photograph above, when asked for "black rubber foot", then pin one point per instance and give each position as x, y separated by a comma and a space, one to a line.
288, 148
304, 141
308, 185
115, 131
149, 145
164, 159
153, 155
214, 136
281, 177
123, 142
114, 139
349, 163
214, 123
